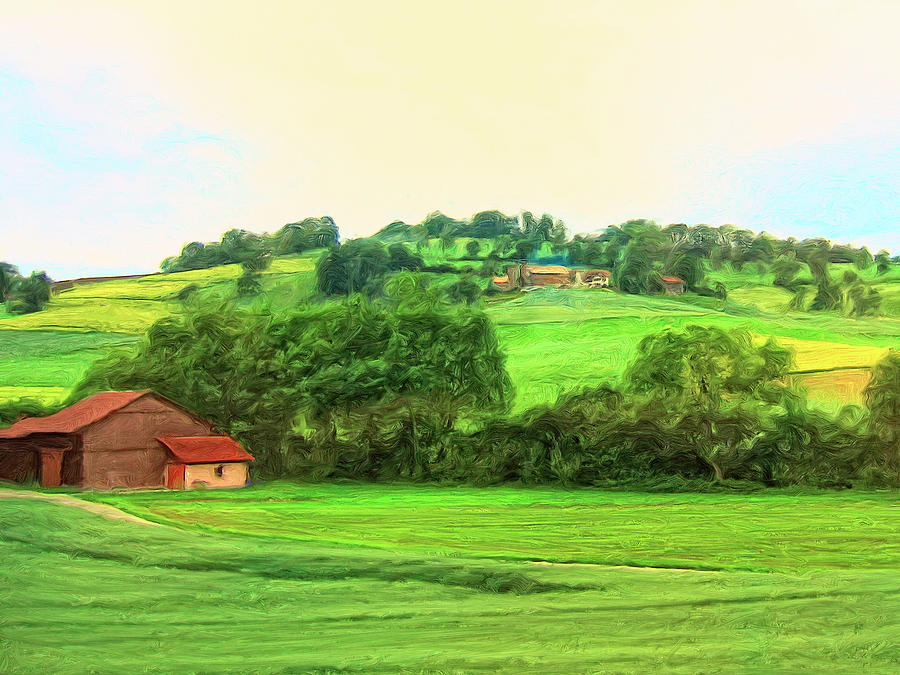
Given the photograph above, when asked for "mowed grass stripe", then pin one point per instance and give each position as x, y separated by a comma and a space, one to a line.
716, 532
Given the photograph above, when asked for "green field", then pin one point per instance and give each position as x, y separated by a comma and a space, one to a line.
43, 355
555, 339
290, 578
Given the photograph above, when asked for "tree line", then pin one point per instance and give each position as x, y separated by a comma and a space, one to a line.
251, 249
21, 294
639, 253
407, 383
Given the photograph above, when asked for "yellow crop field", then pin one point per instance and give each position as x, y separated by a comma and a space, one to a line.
825, 355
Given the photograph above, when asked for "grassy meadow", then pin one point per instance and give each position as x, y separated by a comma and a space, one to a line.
365, 577
398, 578
555, 339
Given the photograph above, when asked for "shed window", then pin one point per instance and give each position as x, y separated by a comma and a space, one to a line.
220, 470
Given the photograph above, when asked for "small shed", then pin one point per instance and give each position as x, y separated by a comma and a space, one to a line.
205, 461
597, 278
673, 285
112, 439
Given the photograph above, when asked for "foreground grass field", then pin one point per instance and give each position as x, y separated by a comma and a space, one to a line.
290, 578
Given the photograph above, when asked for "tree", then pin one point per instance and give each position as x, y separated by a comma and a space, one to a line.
704, 365
465, 290
307, 234
634, 273
882, 262
882, 396
402, 259
472, 248
356, 266
28, 294
711, 392
785, 269
8, 275
523, 249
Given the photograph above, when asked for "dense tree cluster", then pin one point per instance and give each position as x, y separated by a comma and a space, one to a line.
248, 248
410, 384
324, 381
23, 295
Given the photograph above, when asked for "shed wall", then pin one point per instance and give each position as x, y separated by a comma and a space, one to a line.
234, 474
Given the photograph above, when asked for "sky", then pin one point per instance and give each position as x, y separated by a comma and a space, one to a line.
130, 128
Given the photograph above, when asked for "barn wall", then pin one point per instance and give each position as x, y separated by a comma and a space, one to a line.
548, 279
124, 468
136, 426
234, 474
17, 464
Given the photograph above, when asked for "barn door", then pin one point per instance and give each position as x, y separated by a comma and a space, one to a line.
175, 476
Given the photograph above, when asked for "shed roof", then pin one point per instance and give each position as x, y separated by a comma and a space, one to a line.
205, 449
602, 273
673, 280
77, 416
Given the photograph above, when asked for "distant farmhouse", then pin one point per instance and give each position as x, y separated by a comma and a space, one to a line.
122, 439
673, 285
525, 276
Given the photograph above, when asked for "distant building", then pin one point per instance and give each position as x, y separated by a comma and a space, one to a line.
535, 276
673, 285
597, 278
122, 439
547, 275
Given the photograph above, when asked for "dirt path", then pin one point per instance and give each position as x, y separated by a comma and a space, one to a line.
68, 500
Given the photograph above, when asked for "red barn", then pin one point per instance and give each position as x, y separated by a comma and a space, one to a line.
122, 439
673, 285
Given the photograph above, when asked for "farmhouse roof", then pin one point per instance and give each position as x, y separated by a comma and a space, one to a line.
87, 411
602, 273
548, 269
205, 449
673, 280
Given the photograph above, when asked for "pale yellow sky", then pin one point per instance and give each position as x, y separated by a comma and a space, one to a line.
159, 122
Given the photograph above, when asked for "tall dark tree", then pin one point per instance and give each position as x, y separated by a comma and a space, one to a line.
356, 266
8, 275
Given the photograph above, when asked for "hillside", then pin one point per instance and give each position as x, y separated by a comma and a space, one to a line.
555, 339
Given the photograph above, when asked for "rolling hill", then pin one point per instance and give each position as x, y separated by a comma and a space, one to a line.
555, 339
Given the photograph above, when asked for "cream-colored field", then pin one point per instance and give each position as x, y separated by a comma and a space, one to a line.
835, 386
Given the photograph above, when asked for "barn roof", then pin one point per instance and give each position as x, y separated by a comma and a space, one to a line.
673, 280
86, 411
205, 449
548, 269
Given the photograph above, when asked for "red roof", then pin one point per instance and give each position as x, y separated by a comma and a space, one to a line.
548, 269
673, 280
205, 449
87, 411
